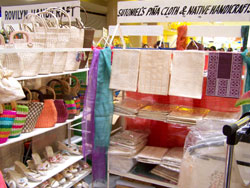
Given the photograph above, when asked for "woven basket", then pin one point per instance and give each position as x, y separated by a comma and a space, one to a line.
21, 115
48, 116
2, 45
65, 95
35, 109
62, 113
6, 121
41, 37
63, 41
74, 89
29, 62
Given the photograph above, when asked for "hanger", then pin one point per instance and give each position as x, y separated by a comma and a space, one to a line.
105, 39
118, 28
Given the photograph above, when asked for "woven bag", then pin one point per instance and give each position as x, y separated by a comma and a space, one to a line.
62, 113
6, 121
76, 41
65, 95
63, 41
51, 41
48, 116
74, 89
20, 119
88, 36
35, 109
30, 62
2, 45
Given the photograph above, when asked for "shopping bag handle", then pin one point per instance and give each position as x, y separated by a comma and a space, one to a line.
12, 35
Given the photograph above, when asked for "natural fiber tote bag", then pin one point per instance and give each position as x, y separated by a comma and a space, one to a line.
63, 41
35, 109
2, 46
62, 113
6, 121
29, 62
65, 95
74, 89
48, 116
20, 119
51, 41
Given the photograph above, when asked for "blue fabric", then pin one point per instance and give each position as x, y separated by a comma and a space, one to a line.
103, 115
244, 35
246, 59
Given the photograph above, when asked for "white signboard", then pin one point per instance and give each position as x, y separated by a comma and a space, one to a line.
181, 10
15, 14
138, 30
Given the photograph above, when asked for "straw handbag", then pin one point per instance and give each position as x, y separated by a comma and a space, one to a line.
30, 62
2, 45
48, 116
40, 37
76, 41
6, 121
51, 41
63, 41
62, 113
35, 109
20, 119
65, 95
74, 89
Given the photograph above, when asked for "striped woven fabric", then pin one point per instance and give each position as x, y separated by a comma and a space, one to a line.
71, 108
21, 114
6, 122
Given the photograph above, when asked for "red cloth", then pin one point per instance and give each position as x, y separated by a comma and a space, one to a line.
2, 182
181, 42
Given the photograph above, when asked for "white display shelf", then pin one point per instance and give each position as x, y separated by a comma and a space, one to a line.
52, 74
143, 179
57, 169
79, 178
37, 50
38, 131
74, 140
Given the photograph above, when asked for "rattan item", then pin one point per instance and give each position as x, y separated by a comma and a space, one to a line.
29, 62
2, 45
47, 38
62, 113
20, 119
65, 95
63, 41
74, 89
6, 121
35, 109
48, 117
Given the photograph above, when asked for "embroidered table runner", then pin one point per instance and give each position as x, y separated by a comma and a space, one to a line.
154, 71
187, 74
224, 75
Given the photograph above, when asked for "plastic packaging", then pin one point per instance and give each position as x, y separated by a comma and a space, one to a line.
203, 164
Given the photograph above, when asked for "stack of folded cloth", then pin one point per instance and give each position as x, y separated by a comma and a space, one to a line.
156, 111
187, 115
166, 174
152, 155
214, 115
123, 147
172, 159
127, 143
129, 107
170, 165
